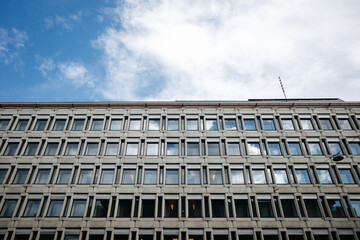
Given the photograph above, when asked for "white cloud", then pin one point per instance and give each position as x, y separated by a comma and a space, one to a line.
65, 22
213, 49
11, 43
46, 65
76, 73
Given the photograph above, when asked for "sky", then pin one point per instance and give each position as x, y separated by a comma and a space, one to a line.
91, 50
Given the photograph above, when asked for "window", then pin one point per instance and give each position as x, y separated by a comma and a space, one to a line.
281, 176
40, 125
211, 125
85, 176
59, 125
71, 149
97, 125
312, 208
242, 208
51, 149
259, 176
172, 149
21, 126
294, 148
112, 149
325, 124
91, 149
21, 176
249, 124
78, 208
193, 149
8, 208
274, 148
132, 149
64, 176
345, 124
2, 175
31, 149
192, 125
124, 208
78, 124
237, 176
355, 148
253, 148
173, 125
148, 208
218, 208
116, 125
289, 209
101, 207
150, 176
135, 124
172, 176
230, 124
346, 176
171, 208
128, 176
335, 208
306, 124
233, 149
47, 236
152, 149
215, 176
55, 208
269, 124
154, 124
356, 206
107, 176
194, 209
302, 176
287, 124
42, 177
335, 148
194, 176
213, 149
315, 149
265, 208
32, 208
3, 124
324, 176
11, 149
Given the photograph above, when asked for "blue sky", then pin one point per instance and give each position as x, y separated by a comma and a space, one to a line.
178, 50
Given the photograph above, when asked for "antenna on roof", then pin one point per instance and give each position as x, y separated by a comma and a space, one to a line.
282, 87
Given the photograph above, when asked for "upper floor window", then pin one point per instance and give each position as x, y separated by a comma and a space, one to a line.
78, 208
336, 208
71, 149
215, 176
274, 148
287, 124
335, 148
21, 176
172, 176
42, 176
230, 124
345, 124
51, 149
315, 148
324, 176
64, 176
11, 149
281, 176
346, 176
116, 125
259, 176
249, 124
192, 124
78, 124
135, 124
302, 176
21, 126
3, 124
306, 124
3, 173
213, 149
132, 149
268, 124
107, 176
55, 208
237, 176
173, 125
355, 148
32, 207
59, 125
152, 149
172, 149
154, 124
253, 148
97, 125
112, 149
150, 176
211, 125
31, 149
8, 208
128, 176
325, 124
194, 176
40, 125
233, 149
294, 148
193, 149
91, 149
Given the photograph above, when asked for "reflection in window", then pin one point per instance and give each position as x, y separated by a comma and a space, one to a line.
335, 148
249, 124
55, 208
356, 206
280, 176
97, 125
91, 149
8, 208
59, 125
302, 176
128, 176
289, 209
294, 149
194, 176
253, 148
32, 208
324, 176
345, 124
21, 126
211, 125
171, 208
64, 176
312, 208
116, 125
40, 125
195, 208
42, 177
132, 149
192, 124
124, 208
218, 208
11, 149
172, 176
274, 149
85, 176
265, 208
172, 149
315, 149
233, 149
173, 125
325, 124
148, 208
230, 124
101, 208
242, 208
135, 124
213, 149
306, 124
193, 149
335, 208
237, 176
3, 124
152, 149
154, 124
287, 124
150, 176
269, 124
346, 176
78, 124
78, 208
259, 176
107, 176
215, 176
31, 149
21, 176
112, 149
71, 149
51, 149
355, 148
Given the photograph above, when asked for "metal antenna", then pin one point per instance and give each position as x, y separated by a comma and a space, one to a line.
282, 87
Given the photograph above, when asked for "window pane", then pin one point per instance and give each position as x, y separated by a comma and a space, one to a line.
2, 175
171, 208
269, 124
150, 176
148, 208
259, 176
172, 176
116, 125
42, 176
213, 149
154, 124
32, 208
51, 149
152, 149
355, 148
306, 124
71, 237
21, 126
173, 125
325, 124
242, 208
135, 124
107, 176
193, 149
124, 209
132, 149
287, 124
280, 176
64, 176
345, 124
78, 124
21, 176
172, 149
295, 149
211, 125
59, 124
274, 149
230, 124
128, 176
215, 176
289, 209
346, 176
97, 125
315, 149
8, 208
265, 208
335, 149
324, 176
234, 149
85, 176
11, 149
192, 124
335, 208
71, 149
218, 208
194, 176
55, 208
194, 208
112, 149
356, 206
101, 208
31, 149
78, 208
253, 148
249, 124
237, 176
3, 124
91, 149
40, 125
312, 208
302, 176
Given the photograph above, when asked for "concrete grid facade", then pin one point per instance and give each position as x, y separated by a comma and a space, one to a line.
257, 169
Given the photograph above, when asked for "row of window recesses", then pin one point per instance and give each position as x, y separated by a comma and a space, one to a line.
174, 174
175, 234
328, 206
181, 147
180, 123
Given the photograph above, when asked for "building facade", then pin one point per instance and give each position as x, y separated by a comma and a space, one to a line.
257, 169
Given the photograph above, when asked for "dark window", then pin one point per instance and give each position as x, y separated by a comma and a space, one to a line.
265, 208
59, 125
218, 208
40, 125
289, 209
21, 176
101, 207
8, 208
312, 208
11, 149
148, 208
3, 124
21, 126
195, 208
47, 237
42, 177
356, 206
3, 173
97, 125
171, 208
325, 124
336, 209
64, 176
78, 125
51, 149
124, 208
78, 208
242, 208
96, 237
